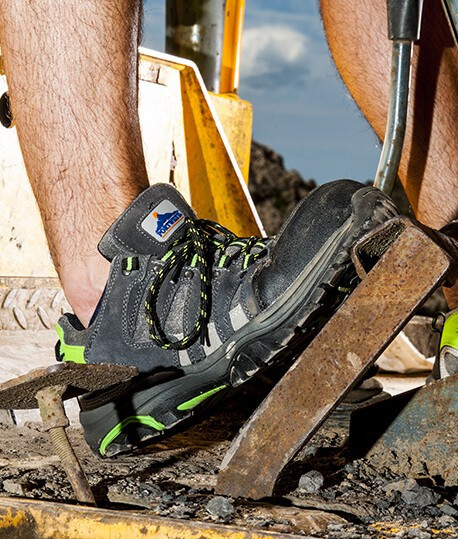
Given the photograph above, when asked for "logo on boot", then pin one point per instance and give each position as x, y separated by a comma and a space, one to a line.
163, 221
166, 221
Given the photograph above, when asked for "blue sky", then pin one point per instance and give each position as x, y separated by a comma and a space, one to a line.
301, 107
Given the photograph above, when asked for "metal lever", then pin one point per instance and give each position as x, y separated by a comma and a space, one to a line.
404, 21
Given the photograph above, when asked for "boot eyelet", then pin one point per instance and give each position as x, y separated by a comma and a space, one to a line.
189, 274
129, 264
216, 273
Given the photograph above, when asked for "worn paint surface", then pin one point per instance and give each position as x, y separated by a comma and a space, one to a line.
60, 521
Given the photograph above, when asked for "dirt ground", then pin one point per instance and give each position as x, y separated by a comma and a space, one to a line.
321, 494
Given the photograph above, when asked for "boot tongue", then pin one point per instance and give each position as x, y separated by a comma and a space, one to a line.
150, 224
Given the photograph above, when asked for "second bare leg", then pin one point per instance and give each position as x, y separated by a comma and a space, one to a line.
357, 36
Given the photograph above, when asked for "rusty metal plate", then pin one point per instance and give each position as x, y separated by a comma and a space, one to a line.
373, 244
413, 433
336, 359
19, 393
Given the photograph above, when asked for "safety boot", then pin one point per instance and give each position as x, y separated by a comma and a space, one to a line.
199, 310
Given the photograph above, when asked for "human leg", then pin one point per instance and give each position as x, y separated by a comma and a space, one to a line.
72, 77
357, 37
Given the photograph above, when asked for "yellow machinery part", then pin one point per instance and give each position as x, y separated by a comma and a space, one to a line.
27, 519
230, 65
207, 171
236, 115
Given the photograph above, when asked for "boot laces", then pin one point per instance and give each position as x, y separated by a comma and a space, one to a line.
199, 246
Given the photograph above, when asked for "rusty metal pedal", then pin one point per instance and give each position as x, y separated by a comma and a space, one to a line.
401, 264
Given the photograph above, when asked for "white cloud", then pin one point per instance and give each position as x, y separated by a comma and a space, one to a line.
271, 50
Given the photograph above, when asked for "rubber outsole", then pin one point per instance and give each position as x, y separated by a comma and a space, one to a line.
148, 408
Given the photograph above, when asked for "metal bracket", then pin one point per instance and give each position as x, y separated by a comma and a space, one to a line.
413, 433
399, 282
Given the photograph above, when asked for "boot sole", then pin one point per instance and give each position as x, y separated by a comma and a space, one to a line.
152, 409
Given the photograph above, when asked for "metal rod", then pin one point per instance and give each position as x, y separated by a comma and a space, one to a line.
195, 30
71, 465
232, 46
451, 10
390, 157
54, 421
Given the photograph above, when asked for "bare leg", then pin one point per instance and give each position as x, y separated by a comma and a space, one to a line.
357, 35
72, 76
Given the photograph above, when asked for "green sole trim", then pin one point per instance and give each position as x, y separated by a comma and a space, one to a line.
192, 403
115, 431
71, 352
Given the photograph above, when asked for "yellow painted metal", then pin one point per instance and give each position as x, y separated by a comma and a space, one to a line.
214, 183
233, 26
207, 171
236, 115
46, 520
12, 520
384, 529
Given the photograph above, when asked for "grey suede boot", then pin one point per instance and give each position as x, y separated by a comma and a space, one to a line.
199, 310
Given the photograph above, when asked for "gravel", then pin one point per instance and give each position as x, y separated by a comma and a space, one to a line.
445, 521
418, 534
220, 507
411, 493
311, 482
447, 509
13, 487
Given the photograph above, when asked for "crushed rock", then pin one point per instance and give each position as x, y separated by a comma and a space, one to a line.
176, 477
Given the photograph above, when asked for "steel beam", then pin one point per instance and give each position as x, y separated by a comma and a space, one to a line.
335, 361
33, 518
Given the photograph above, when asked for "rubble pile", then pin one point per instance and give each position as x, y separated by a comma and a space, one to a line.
274, 189
322, 494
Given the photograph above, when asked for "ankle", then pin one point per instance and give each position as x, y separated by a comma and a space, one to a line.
83, 282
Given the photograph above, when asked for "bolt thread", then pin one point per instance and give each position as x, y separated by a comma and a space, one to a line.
71, 464
62, 445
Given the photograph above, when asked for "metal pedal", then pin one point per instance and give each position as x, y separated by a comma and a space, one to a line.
398, 276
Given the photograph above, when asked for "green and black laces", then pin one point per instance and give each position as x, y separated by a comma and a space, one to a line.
198, 247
